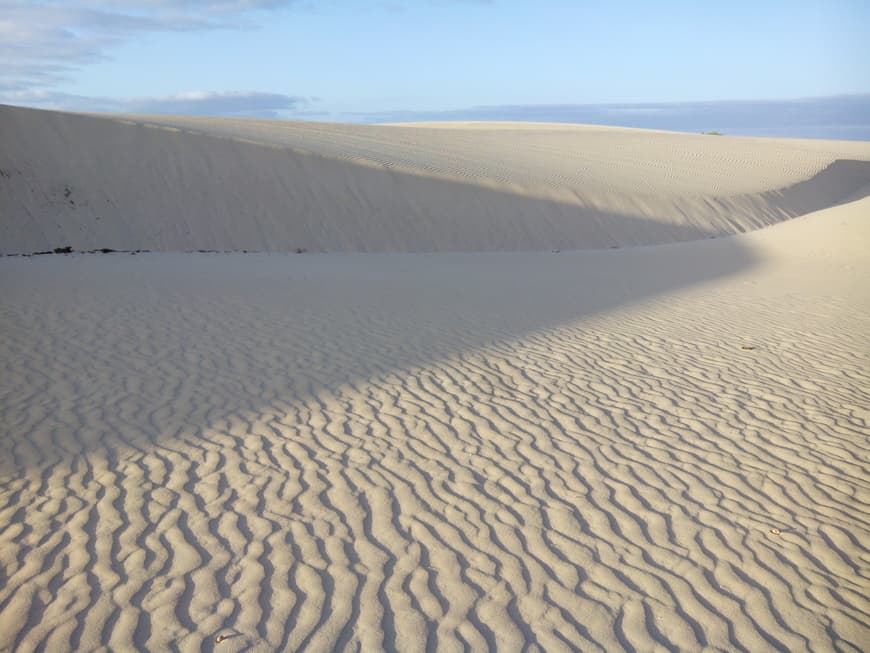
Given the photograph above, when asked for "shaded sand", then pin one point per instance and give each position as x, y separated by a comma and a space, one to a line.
175, 183
658, 448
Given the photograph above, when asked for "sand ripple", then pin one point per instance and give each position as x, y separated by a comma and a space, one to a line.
312, 454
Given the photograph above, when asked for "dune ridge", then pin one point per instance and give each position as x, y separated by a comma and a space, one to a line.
185, 183
659, 448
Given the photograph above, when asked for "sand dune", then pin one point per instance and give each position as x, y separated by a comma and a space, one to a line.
183, 183
635, 449
658, 448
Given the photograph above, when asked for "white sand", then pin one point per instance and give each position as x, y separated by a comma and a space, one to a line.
443, 451
182, 183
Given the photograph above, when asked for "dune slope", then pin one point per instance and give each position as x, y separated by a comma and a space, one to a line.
646, 449
182, 183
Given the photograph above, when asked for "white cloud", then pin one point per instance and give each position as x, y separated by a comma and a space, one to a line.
43, 41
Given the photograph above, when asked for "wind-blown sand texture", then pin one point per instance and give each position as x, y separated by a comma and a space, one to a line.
641, 449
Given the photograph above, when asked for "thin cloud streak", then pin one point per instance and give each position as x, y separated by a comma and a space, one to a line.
236, 104
233, 104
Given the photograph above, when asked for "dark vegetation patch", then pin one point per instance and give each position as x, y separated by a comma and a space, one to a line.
67, 249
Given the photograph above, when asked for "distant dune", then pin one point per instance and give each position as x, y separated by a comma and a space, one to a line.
842, 117
182, 183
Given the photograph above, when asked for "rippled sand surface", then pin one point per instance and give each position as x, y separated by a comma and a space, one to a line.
635, 449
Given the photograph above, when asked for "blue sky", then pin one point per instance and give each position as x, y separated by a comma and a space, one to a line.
353, 59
